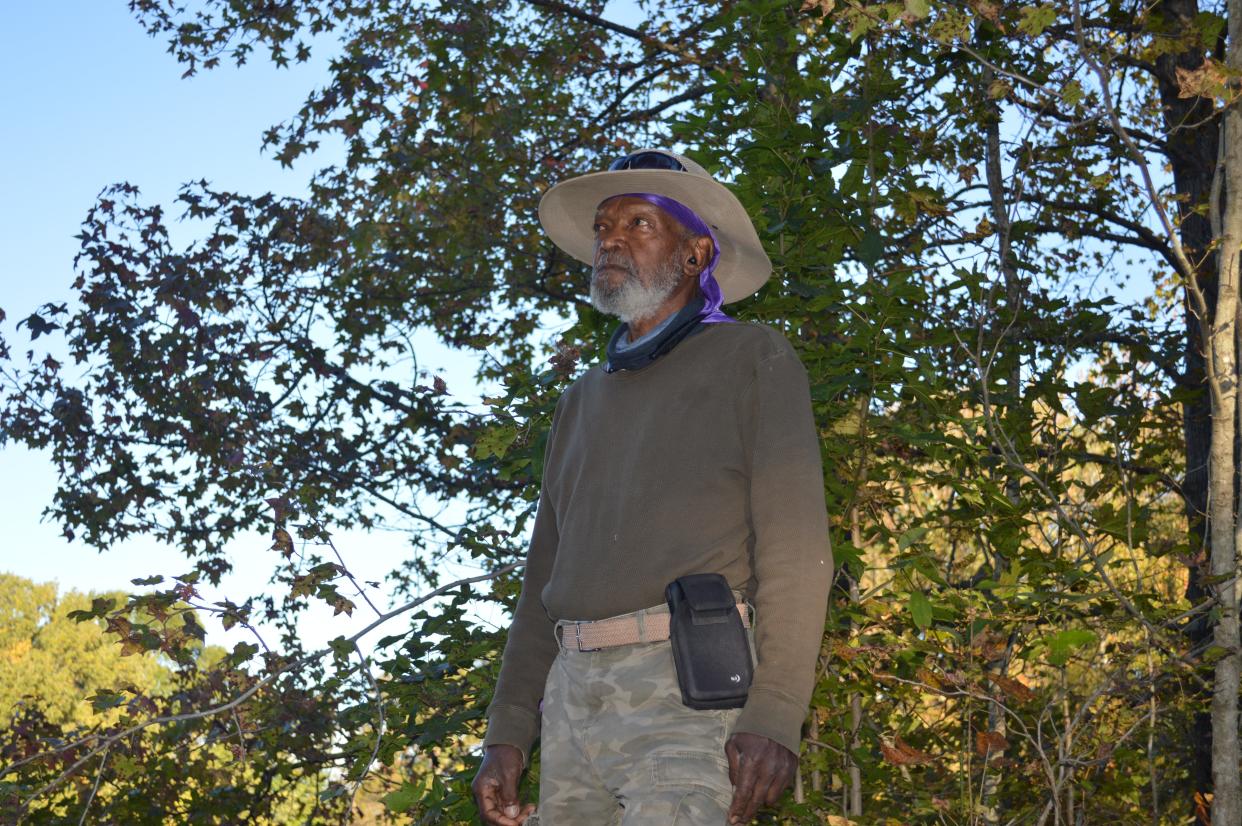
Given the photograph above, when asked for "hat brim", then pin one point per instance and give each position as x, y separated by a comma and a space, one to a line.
567, 210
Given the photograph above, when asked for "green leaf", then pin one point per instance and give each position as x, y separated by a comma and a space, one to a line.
1072, 93
494, 441
102, 605
950, 25
333, 790
918, 8
103, 699
242, 652
1061, 645
910, 537
871, 247
1035, 19
1213, 653
403, 798
125, 766
193, 629
920, 609
342, 648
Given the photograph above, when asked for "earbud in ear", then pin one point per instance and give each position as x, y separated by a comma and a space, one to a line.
693, 260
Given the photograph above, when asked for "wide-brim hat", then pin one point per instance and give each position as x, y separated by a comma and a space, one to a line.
567, 213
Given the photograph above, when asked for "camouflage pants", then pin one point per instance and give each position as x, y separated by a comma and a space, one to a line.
618, 747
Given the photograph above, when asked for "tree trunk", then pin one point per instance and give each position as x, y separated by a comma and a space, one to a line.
989, 796
1192, 139
1223, 472
855, 799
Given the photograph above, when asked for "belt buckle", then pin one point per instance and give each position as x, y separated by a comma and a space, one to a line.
578, 634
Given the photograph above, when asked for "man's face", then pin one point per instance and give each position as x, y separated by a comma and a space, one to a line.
637, 258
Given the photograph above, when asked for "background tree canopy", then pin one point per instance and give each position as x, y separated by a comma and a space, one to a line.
53, 664
995, 247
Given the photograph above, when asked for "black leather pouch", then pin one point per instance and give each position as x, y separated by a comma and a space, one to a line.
709, 642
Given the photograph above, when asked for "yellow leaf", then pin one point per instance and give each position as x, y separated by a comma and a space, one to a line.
845, 426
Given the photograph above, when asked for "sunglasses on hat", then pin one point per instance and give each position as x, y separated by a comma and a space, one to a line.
646, 160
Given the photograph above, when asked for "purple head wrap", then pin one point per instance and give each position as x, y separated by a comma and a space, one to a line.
712, 297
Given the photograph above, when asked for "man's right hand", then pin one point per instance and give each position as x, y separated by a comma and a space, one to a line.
495, 787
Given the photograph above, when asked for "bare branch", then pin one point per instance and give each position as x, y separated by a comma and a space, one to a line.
345, 568
1137, 157
95, 788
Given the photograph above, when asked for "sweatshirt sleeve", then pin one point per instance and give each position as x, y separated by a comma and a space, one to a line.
792, 560
513, 716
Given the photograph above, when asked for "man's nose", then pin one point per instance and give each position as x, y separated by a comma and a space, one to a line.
607, 241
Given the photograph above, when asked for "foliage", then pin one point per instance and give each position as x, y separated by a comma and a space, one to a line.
51, 663
61, 676
953, 202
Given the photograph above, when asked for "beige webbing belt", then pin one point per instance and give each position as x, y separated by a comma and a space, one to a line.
645, 625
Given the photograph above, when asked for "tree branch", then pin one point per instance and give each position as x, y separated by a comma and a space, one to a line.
105, 743
642, 37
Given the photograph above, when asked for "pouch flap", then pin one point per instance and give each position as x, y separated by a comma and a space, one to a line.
706, 593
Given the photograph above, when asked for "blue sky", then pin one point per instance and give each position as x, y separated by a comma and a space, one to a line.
89, 99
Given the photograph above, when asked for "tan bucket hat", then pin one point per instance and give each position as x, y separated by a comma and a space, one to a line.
567, 209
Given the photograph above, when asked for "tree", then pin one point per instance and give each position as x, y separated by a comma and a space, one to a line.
950, 193
66, 678
53, 664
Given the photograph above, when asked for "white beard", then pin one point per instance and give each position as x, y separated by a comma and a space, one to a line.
632, 300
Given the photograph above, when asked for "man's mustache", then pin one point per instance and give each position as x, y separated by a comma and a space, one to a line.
615, 260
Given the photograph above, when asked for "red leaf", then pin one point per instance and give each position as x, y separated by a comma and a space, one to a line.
902, 753
990, 741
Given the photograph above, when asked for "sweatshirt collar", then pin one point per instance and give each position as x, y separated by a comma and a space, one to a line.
660, 341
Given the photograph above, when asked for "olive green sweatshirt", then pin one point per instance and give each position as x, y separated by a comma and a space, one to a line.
707, 460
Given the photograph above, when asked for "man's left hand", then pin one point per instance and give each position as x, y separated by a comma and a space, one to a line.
760, 769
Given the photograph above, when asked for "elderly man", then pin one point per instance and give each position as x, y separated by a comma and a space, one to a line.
691, 451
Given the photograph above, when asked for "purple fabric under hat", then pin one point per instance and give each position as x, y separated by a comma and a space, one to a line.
742, 267
712, 297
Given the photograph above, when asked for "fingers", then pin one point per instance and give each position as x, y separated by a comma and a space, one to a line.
496, 787
731, 754
759, 770
772, 794
509, 793
781, 771
492, 811
744, 803
510, 806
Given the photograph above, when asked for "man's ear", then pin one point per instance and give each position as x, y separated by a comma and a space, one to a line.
700, 249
